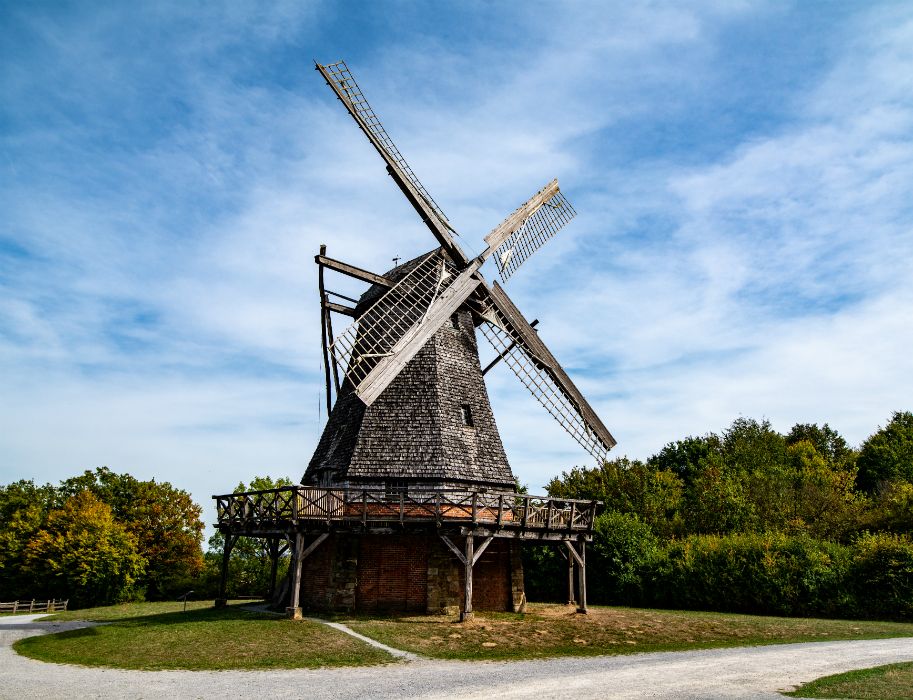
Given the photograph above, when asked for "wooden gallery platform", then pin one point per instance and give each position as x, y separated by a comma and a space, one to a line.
369, 550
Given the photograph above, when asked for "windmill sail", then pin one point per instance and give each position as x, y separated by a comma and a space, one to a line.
376, 347
526, 355
341, 80
528, 228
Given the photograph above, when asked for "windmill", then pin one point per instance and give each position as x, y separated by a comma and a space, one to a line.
410, 464
405, 308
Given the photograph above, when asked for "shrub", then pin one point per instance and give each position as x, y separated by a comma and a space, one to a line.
882, 576
622, 550
752, 573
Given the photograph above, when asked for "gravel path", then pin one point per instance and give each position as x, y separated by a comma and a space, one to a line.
748, 672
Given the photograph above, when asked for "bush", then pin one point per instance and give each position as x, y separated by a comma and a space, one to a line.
752, 573
882, 576
622, 549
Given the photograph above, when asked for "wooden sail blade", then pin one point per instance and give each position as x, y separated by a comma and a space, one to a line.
513, 222
373, 349
530, 360
437, 314
340, 79
529, 228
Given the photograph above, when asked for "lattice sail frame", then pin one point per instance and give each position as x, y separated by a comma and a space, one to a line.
342, 77
359, 348
537, 379
545, 222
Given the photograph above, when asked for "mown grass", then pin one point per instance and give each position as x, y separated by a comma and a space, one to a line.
202, 638
892, 682
125, 610
555, 630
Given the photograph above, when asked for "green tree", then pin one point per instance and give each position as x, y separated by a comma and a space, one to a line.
827, 441
824, 502
887, 455
23, 511
625, 486
83, 554
685, 458
164, 520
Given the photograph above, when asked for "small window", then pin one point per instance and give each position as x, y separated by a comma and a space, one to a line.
466, 415
455, 321
396, 487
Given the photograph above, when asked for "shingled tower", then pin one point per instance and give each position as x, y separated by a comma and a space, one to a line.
432, 427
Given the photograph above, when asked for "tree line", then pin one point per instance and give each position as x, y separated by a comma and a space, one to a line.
751, 520
98, 538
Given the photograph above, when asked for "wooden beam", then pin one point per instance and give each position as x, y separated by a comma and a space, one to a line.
294, 610
482, 549
570, 581
570, 547
340, 309
581, 580
323, 331
467, 579
314, 545
414, 339
453, 548
352, 271
502, 355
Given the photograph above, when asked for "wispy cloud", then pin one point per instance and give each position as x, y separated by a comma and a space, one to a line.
743, 244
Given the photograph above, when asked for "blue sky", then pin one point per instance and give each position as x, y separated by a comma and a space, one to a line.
742, 174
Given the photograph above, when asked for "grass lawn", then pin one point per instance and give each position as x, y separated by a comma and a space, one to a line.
153, 636
893, 682
555, 630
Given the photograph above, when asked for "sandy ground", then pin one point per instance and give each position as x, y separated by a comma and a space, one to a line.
747, 672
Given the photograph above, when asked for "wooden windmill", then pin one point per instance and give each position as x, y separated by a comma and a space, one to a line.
410, 462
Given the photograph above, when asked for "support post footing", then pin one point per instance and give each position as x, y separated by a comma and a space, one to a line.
466, 616
221, 602
293, 613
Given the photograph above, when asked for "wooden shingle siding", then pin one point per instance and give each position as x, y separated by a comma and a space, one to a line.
415, 430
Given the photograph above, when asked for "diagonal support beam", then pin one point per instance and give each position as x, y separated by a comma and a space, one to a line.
352, 271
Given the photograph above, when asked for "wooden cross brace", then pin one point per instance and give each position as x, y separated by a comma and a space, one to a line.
468, 560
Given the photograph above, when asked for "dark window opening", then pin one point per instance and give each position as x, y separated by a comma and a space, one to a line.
396, 487
466, 414
455, 321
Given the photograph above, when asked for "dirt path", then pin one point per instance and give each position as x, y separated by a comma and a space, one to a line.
747, 672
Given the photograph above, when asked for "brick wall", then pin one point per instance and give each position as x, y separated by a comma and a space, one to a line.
408, 573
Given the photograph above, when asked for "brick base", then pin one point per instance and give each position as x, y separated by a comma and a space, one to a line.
408, 573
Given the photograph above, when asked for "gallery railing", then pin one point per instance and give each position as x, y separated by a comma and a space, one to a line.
291, 505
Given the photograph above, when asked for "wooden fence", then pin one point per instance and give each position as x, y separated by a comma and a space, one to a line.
34, 606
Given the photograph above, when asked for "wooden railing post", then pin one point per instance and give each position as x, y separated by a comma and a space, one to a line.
500, 509
570, 525
364, 507
548, 514
570, 579
475, 506
592, 516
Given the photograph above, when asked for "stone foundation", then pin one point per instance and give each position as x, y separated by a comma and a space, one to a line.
408, 573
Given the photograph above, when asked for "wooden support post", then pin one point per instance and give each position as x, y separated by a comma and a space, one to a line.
570, 580
581, 579
324, 314
294, 609
229, 542
274, 565
470, 560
